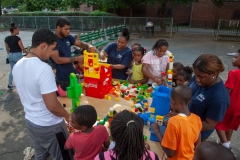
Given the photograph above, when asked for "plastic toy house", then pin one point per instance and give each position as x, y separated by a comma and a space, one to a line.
161, 105
161, 100
97, 76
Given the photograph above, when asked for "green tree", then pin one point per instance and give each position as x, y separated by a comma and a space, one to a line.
165, 5
75, 3
34, 5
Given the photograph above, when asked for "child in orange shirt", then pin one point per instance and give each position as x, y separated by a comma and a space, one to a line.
183, 130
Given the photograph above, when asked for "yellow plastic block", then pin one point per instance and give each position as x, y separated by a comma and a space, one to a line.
109, 97
91, 65
106, 96
117, 99
152, 110
146, 105
132, 105
159, 120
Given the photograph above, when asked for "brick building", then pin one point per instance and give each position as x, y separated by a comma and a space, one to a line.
203, 14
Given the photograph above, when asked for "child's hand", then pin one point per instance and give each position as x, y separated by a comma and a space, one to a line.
164, 82
155, 128
102, 57
147, 146
131, 81
158, 81
80, 76
129, 71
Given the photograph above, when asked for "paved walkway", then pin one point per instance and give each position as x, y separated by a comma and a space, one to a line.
185, 45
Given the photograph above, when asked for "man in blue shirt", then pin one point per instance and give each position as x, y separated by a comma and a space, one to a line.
61, 56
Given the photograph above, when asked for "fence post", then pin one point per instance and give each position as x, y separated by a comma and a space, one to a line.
36, 22
238, 28
171, 28
219, 23
102, 21
124, 21
48, 24
23, 24
82, 24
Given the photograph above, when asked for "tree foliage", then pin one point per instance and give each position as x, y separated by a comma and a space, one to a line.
75, 3
165, 5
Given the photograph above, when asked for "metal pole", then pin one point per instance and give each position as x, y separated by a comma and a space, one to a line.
48, 24
124, 21
82, 24
238, 28
36, 22
102, 22
219, 23
190, 23
23, 24
171, 28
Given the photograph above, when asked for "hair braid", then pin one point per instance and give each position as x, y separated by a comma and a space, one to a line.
128, 136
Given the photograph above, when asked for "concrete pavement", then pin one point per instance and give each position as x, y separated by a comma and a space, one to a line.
186, 47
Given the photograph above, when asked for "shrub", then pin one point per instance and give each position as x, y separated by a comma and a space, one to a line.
74, 13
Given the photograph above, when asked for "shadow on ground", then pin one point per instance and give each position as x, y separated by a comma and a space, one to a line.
13, 132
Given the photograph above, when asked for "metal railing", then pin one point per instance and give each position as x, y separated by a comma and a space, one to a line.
228, 28
89, 23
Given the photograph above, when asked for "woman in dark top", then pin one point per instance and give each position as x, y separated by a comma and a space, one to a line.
14, 48
119, 55
210, 98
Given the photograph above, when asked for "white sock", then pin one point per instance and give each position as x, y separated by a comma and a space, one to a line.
226, 144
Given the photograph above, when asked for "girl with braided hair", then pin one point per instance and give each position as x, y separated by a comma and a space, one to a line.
127, 131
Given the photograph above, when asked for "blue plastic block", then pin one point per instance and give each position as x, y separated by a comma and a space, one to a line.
144, 101
152, 120
144, 117
161, 100
153, 137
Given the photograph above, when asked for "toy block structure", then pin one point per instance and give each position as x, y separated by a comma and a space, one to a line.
74, 91
170, 72
161, 100
160, 107
97, 76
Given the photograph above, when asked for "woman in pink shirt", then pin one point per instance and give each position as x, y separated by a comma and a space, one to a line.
156, 61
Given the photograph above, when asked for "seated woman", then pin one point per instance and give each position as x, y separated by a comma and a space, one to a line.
119, 55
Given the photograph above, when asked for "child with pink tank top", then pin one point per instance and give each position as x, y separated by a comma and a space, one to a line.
127, 131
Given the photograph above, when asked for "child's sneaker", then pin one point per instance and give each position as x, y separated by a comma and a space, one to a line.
10, 87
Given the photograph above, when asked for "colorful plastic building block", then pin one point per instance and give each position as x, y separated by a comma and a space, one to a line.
74, 91
159, 120
97, 76
161, 100
145, 117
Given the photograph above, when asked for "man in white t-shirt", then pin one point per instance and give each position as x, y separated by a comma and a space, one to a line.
36, 87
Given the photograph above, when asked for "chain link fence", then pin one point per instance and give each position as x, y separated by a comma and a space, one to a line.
89, 23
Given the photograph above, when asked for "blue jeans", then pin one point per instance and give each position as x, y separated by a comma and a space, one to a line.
13, 58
